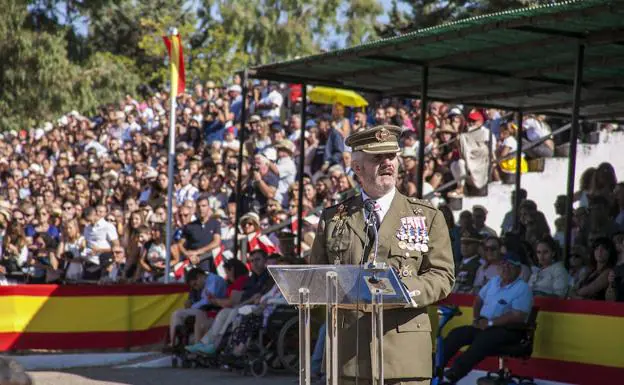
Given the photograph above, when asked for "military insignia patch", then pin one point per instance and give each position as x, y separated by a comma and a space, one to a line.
382, 135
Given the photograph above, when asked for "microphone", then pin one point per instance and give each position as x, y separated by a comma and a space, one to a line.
369, 205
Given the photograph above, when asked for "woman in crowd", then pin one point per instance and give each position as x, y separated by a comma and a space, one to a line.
130, 242
604, 257
71, 249
339, 122
576, 266
508, 145
551, 279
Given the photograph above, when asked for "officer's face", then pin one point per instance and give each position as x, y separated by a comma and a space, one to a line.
377, 173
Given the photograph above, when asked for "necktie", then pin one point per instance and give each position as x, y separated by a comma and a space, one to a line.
371, 206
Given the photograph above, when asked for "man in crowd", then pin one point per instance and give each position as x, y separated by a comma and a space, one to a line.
501, 308
200, 237
100, 236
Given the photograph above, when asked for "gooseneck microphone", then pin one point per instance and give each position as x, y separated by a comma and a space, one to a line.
372, 226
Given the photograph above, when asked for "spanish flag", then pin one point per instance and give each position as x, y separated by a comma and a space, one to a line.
174, 47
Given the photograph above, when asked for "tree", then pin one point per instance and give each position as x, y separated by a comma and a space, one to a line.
360, 23
427, 13
38, 82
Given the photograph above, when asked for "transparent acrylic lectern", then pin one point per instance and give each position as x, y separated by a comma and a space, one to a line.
340, 286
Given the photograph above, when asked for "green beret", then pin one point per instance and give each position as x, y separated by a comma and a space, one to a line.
382, 139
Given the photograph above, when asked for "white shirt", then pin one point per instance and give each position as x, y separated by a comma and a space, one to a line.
101, 236
276, 99
185, 193
384, 203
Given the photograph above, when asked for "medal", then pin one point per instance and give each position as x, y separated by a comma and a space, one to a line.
418, 247
424, 248
402, 245
411, 246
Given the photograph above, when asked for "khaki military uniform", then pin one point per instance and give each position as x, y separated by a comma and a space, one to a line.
428, 274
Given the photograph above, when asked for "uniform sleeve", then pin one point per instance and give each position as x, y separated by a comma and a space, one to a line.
436, 276
318, 254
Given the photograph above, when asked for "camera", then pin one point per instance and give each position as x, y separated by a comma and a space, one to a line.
255, 169
232, 166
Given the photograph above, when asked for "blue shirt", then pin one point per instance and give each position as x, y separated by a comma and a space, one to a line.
215, 286
499, 300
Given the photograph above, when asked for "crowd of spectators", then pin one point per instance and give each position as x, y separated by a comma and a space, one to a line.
594, 267
84, 198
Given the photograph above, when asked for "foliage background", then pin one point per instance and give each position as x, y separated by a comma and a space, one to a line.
63, 55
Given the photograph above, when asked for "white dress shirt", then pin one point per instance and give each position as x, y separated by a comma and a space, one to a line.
384, 203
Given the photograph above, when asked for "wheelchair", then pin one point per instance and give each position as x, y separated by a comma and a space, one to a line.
274, 348
182, 338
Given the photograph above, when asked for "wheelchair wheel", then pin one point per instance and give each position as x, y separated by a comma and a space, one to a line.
174, 362
288, 343
258, 367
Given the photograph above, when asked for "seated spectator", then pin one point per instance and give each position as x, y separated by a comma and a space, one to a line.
552, 279
576, 266
209, 286
508, 220
114, 268
600, 219
466, 272
508, 147
504, 302
237, 276
491, 267
479, 215
258, 284
72, 248
602, 262
534, 130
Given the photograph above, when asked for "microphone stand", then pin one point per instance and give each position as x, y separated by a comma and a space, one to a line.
377, 329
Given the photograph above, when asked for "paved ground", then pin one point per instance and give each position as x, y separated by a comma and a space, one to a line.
155, 376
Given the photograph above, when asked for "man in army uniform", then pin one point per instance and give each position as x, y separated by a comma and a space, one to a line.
413, 239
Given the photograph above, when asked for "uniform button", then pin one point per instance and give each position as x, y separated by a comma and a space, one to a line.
416, 292
418, 326
407, 254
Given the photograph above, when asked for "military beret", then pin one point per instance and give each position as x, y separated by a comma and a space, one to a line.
382, 139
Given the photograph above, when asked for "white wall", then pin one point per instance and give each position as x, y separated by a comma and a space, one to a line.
543, 188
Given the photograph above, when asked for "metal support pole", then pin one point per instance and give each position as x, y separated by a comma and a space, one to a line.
377, 338
304, 107
170, 168
331, 330
239, 180
304, 337
574, 131
421, 132
518, 200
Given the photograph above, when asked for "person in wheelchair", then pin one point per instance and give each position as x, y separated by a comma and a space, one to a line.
500, 310
254, 287
255, 316
204, 288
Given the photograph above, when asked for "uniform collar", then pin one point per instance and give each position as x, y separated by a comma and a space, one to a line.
384, 201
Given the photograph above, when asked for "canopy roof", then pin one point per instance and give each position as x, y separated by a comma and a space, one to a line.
519, 59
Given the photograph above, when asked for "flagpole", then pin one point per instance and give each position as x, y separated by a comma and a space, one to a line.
170, 161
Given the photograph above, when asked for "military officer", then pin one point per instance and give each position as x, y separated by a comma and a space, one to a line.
413, 239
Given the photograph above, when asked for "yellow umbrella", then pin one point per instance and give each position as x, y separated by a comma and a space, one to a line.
325, 95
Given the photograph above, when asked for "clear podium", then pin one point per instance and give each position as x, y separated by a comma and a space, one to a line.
367, 288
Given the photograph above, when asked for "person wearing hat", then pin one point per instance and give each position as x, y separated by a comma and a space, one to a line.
473, 165
236, 100
504, 302
424, 263
471, 261
284, 168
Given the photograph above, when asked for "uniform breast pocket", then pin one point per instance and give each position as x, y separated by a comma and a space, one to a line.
338, 246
